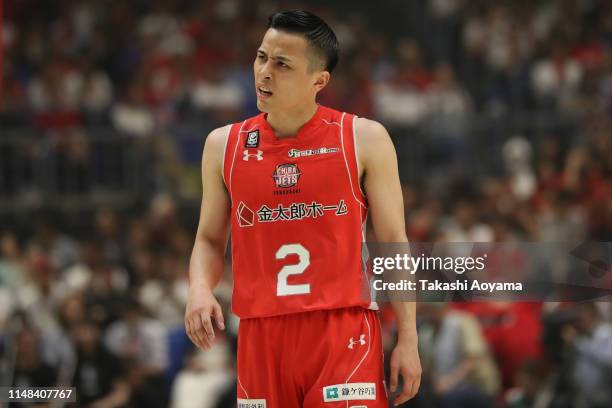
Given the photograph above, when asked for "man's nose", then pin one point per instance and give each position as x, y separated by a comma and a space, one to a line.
264, 70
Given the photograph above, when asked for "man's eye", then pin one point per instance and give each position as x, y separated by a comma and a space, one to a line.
260, 56
282, 64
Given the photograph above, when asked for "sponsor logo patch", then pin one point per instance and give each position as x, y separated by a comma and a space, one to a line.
293, 153
299, 211
349, 392
251, 403
252, 140
246, 216
286, 175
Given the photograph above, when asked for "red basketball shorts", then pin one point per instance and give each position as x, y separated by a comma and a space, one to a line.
326, 358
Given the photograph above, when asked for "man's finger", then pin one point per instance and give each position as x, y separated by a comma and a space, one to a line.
403, 396
218, 315
394, 375
417, 385
207, 326
189, 331
199, 333
409, 389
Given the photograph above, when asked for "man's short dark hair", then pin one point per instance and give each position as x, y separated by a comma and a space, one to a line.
318, 34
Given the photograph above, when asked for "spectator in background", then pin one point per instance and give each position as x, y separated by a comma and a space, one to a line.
97, 92
448, 118
99, 377
562, 220
62, 248
530, 388
591, 338
107, 288
12, 262
141, 343
30, 370
205, 377
54, 96
556, 78
165, 295
107, 226
461, 368
517, 153
464, 225
446, 95
36, 299
217, 95
512, 329
411, 70
401, 100
131, 115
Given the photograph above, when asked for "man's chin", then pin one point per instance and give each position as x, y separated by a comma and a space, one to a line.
263, 106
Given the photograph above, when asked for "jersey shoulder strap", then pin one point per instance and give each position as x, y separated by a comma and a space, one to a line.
348, 138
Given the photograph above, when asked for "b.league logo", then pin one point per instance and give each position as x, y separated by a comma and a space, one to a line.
252, 139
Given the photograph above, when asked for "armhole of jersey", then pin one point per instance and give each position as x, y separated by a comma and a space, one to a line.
347, 138
357, 156
229, 154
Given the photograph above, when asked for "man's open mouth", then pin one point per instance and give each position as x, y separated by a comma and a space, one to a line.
263, 92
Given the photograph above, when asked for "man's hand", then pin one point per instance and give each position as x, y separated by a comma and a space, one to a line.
201, 307
405, 361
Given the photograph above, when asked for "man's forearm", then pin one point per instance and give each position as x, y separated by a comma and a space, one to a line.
207, 263
405, 314
405, 311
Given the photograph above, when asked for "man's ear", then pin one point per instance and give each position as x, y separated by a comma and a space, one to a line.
321, 80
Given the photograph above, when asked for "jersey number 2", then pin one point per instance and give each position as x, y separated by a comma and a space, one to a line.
282, 287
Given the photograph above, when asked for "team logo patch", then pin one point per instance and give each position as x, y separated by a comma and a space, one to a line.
252, 140
286, 175
251, 403
349, 392
246, 155
311, 152
246, 216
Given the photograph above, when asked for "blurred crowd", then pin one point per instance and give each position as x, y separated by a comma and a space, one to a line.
500, 113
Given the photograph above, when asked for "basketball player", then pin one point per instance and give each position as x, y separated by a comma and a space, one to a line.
294, 184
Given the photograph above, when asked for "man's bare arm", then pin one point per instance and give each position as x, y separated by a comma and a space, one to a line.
207, 258
381, 181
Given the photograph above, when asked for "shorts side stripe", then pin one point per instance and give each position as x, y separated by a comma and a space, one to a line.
366, 353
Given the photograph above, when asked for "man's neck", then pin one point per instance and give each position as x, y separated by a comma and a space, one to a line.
288, 123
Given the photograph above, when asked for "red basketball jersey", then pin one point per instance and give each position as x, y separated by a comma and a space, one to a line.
298, 216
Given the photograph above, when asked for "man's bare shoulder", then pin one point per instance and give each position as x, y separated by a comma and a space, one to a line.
214, 148
368, 128
217, 138
373, 140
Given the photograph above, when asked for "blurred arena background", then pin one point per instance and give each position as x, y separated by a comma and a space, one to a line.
500, 112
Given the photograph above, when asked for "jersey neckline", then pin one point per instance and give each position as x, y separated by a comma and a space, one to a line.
301, 135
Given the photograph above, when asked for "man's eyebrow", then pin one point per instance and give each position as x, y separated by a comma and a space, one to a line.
282, 58
278, 57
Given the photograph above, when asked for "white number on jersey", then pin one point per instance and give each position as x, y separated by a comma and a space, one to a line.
282, 287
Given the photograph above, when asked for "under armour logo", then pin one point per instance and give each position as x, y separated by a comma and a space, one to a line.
360, 342
246, 155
